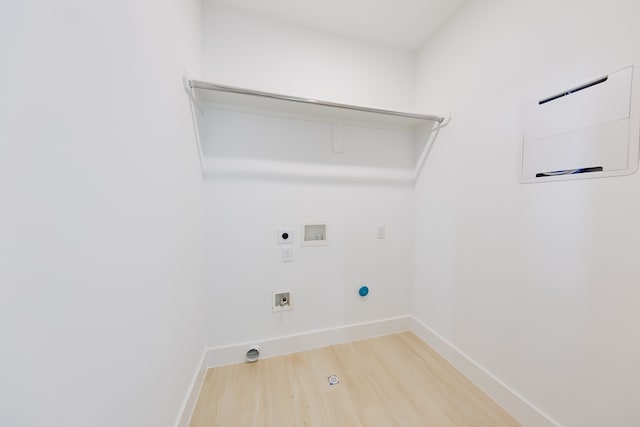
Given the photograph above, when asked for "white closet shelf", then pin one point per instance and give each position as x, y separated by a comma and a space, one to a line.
208, 93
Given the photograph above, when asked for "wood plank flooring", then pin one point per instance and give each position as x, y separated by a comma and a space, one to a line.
394, 380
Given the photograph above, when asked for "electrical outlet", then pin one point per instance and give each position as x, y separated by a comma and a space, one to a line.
287, 254
281, 301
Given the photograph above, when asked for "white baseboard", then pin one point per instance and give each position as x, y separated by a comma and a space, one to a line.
235, 353
512, 402
306, 341
189, 403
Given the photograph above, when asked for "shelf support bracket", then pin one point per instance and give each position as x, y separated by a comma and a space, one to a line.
338, 138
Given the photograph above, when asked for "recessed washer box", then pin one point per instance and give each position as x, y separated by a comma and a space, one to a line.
315, 234
587, 130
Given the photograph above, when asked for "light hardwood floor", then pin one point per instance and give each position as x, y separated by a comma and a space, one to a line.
394, 380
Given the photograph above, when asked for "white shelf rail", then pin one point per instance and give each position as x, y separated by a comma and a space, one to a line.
196, 84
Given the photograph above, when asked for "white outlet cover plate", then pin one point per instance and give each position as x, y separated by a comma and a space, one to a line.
287, 254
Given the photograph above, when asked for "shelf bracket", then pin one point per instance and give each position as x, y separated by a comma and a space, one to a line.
338, 138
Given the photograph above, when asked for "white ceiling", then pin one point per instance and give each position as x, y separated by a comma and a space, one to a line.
405, 24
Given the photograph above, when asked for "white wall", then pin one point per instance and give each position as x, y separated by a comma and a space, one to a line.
245, 208
101, 248
537, 283
101, 266
261, 53
245, 263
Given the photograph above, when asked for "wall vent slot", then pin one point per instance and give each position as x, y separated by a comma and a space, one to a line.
569, 171
596, 129
574, 90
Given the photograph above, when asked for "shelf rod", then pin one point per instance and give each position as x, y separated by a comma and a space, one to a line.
196, 84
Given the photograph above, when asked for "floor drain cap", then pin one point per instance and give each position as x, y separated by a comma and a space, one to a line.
333, 380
